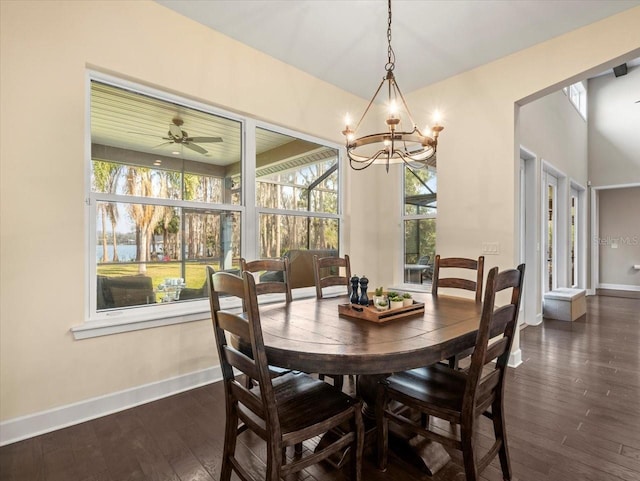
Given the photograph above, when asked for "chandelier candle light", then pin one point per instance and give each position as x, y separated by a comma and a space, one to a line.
414, 148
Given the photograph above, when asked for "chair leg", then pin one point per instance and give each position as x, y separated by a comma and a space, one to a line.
382, 428
468, 454
338, 381
357, 445
275, 460
501, 435
424, 420
230, 435
453, 362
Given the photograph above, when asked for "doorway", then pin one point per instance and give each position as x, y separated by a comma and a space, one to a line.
550, 234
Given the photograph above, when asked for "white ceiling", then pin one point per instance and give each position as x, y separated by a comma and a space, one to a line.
344, 41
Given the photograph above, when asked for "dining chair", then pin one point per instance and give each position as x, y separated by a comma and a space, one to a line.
427, 272
456, 396
283, 411
326, 272
280, 270
280, 267
458, 283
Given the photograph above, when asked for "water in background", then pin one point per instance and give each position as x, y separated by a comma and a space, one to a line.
126, 252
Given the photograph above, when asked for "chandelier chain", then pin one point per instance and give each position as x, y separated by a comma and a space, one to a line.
391, 56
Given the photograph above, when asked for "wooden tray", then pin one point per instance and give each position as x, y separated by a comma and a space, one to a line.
370, 313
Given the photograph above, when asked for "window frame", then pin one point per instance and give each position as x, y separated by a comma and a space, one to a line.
123, 320
404, 217
577, 95
292, 212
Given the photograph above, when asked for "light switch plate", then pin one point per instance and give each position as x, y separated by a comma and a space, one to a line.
491, 248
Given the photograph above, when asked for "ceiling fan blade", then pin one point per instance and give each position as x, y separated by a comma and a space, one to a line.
175, 130
204, 139
195, 147
163, 143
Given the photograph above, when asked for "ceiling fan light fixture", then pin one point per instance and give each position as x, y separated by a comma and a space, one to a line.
175, 135
394, 145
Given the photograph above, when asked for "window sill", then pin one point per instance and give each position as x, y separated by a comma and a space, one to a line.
119, 321
106, 327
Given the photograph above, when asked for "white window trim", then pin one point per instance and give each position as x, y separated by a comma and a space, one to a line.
178, 314
582, 95
136, 318
291, 212
403, 218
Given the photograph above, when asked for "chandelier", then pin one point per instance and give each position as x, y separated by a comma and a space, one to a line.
395, 145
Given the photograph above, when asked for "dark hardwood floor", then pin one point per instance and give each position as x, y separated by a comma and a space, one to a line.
573, 413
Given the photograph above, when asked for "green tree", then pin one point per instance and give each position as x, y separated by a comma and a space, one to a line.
420, 198
139, 183
105, 179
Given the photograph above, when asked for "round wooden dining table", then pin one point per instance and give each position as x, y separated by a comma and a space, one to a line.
309, 335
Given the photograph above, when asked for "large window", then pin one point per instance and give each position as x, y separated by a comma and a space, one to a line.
166, 198
296, 194
420, 208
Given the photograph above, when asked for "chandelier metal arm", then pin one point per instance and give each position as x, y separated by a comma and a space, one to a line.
404, 102
370, 104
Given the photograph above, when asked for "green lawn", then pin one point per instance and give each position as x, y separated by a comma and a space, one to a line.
195, 275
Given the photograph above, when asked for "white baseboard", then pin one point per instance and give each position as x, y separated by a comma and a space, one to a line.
515, 358
619, 287
46, 421
536, 321
591, 292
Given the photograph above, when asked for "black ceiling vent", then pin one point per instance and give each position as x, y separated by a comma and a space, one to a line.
620, 70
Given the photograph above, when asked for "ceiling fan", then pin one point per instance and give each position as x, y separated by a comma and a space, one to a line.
176, 135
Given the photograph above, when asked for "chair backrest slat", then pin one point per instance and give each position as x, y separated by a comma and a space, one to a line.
496, 349
248, 398
487, 388
275, 267
324, 272
234, 324
501, 318
456, 282
241, 362
332, 281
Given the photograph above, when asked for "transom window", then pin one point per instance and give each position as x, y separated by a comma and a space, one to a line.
577, 94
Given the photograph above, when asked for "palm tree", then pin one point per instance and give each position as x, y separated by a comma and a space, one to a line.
145, 216
105, 179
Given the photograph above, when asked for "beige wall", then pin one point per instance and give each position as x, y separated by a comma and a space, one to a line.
619, 237
46, 49
479, 151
